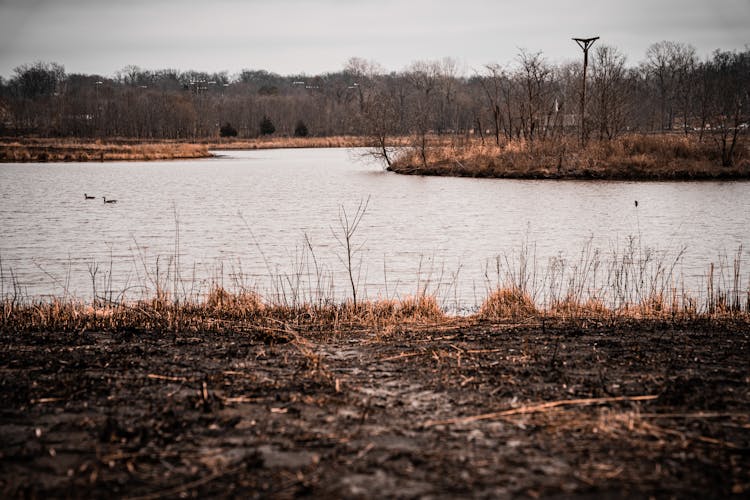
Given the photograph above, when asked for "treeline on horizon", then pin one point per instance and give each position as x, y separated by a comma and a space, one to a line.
530, 98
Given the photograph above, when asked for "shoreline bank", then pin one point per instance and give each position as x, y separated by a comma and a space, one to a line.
24, 150
634, 158
694, 171
43, 150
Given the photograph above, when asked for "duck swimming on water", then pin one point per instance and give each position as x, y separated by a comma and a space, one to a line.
87, 197
108, 201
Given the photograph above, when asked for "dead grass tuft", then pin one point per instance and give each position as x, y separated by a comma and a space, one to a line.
508, 303
242, 304
420, 309
571, 308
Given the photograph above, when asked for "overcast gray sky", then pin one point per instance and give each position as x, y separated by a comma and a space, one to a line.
296, 36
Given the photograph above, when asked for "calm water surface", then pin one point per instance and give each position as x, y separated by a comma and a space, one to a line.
246, 218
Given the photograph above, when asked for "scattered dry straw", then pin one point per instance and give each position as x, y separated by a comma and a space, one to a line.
541, 407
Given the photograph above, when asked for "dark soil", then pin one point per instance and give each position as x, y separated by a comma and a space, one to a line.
375, 415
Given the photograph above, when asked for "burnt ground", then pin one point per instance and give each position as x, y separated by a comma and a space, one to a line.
363, 414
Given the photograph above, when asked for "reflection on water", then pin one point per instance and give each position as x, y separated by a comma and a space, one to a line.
249, 215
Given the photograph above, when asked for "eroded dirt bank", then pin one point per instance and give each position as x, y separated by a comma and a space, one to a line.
482, 411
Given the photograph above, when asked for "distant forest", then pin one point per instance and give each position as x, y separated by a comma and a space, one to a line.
671, 89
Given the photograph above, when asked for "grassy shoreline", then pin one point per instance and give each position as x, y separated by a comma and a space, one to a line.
635, 157
21, 150
631, 157
222, 310
25, 149
631, 283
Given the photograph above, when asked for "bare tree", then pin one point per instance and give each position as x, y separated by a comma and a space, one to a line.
376, 104
534, 76
348, 226
610, 91
448, 81
423, 78
362, 73
380, 117
684, 62
669, 64
493, 83
730, 89
39, 96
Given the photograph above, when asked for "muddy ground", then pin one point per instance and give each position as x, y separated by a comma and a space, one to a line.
646, 410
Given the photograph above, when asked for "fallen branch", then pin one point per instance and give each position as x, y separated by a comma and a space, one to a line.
523, 410
696, 415
45, 400
401, 356
155, 376
242, 399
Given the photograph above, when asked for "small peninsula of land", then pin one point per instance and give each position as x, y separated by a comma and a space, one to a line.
631, 157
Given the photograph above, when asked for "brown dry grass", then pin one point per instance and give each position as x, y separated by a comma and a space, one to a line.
239, 305
245, 311
572, 308
33, 149
375, 314
508, 303
64, 150
221, 310
635, 156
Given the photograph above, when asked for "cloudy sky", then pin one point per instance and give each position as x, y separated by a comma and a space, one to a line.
315, 36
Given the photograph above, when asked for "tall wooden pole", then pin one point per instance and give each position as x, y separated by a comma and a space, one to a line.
585, 44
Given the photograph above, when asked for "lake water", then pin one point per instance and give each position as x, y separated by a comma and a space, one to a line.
269, 220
